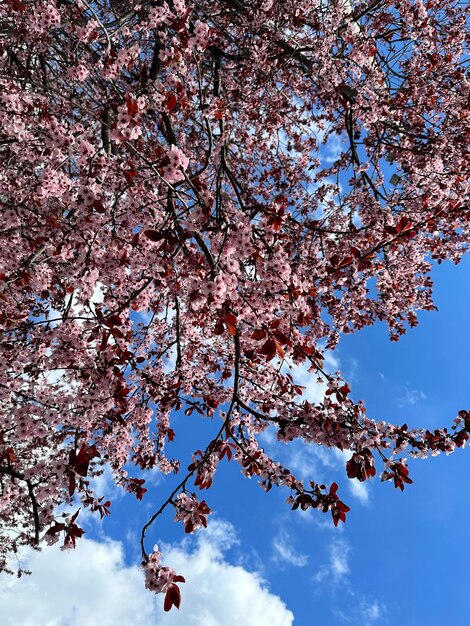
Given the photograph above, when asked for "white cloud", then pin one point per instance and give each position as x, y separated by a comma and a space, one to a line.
309, 461
305, 460
93, 585
337, 568
314, 391
169, 360
359, 490
371, 612
300, 458
339, 559
367, 613
284, 551
104, 487
217, 593
88, 585
353, 369
411, 397
332, 149
364, 611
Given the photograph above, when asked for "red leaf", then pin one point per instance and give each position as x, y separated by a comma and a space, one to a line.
172, 598
335, 515
72, 484
356, 252
98, 206
282, 338
219, 328
73, 532
225, 450
231, 323
230, 318
129, 175
268, 349
17, 5
231, 328
55, 529
460, 439
344, 263
183, 37
82, 462
404, 225
113, 320
153, 235
9, 455
171, 102
135, 486
338, 512
132, 107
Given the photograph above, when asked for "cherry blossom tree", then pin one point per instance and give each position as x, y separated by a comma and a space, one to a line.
198, 198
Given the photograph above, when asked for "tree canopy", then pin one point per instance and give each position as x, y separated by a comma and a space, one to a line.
199, 197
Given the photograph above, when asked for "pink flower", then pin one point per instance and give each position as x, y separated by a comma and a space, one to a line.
201, 38
191, 512
177, 161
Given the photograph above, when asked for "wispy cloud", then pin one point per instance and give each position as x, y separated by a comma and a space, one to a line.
339, 564
411, 397
371, 612
337, 567
284, 551
367, 613
361, 611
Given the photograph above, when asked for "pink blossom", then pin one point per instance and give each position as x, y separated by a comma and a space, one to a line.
177, 161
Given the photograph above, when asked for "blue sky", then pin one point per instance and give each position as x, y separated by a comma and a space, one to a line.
401, 557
